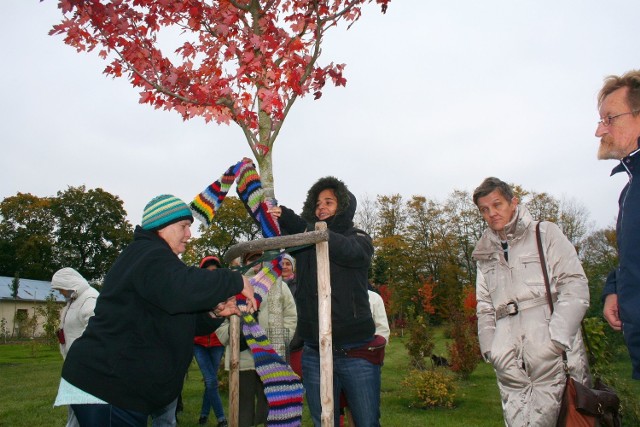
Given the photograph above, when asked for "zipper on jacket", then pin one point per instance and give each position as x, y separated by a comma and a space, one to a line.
353, 306
624, 199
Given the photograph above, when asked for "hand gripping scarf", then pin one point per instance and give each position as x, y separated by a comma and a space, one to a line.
282, 386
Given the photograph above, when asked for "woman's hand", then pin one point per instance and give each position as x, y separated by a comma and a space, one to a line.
276, 211
249, 294
225, 309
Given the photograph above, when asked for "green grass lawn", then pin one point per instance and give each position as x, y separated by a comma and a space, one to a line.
29, 376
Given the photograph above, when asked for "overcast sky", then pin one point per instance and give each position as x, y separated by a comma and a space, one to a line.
439, 96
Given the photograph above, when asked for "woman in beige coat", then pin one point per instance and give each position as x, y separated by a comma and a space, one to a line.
278, 317
518, 334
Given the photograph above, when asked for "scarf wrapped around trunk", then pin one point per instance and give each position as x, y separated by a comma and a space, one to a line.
282, 386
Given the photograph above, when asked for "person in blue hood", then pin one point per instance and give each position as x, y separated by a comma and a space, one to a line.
619, 133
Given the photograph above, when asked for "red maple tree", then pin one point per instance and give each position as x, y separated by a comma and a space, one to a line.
427, 296
242, 61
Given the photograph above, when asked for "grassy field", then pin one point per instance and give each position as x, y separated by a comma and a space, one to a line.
29, 376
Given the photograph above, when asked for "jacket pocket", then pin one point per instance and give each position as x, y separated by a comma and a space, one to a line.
531, 270
489, 272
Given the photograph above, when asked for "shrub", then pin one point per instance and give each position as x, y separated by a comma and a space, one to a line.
464, 351
601, 350
431, 388
598, 345
420, 343
51, 314
4, 331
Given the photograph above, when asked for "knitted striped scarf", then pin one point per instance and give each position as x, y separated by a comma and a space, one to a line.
282, 386
249, 188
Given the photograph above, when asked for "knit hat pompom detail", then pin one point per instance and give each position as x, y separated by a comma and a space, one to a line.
164, 210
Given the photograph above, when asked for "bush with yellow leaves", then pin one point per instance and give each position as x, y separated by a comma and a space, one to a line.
432, 388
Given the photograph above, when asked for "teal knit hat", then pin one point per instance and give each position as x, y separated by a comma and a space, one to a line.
164, 210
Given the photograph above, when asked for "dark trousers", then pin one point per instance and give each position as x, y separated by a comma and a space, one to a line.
254, 407
106, 415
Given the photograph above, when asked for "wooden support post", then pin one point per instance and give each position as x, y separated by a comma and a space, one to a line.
324, 326
234, 371
320, 237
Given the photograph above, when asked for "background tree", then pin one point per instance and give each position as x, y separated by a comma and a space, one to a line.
26, 237
599, 257
14, 287
91, 231
82, 229
392, 262
366, 217
574, 221
466, 226
438, 253
543, 207
245, 61
231, 225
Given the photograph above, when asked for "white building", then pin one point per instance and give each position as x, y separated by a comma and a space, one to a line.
31, 294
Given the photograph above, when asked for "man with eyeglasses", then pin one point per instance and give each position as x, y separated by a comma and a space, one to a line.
619, 133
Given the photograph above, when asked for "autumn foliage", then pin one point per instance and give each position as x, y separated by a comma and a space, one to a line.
234, 60
464, 350
426, 296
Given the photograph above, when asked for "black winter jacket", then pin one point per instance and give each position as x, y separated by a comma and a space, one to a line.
350, 252
137, 348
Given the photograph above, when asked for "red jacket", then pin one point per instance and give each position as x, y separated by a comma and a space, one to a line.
210, 340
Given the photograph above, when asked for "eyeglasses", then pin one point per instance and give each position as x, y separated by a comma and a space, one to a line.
606, 121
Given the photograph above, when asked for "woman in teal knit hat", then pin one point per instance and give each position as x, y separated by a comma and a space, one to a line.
131, 361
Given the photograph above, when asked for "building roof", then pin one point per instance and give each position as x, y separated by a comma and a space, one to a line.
29, 290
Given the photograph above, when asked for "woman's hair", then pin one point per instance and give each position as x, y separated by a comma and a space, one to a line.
489, 185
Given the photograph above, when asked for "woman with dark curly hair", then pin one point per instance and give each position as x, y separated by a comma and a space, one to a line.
350, 252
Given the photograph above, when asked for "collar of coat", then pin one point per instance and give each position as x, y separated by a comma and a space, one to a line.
628, 163
489, 243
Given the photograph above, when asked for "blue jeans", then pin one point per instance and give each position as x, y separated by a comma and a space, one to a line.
106, 415
165, 417
360, 380
208, 359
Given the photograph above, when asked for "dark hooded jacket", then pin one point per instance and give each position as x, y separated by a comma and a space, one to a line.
136, 350
350, 252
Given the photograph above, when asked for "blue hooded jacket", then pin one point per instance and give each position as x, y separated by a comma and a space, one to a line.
625, 280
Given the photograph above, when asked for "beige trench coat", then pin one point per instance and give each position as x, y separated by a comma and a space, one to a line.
268, 318
525, 349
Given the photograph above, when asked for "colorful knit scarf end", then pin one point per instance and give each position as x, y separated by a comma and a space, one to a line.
249, 188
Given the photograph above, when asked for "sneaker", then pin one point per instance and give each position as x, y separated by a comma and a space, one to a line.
223, 423
202, 420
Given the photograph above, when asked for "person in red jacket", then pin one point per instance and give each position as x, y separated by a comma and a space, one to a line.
208, 351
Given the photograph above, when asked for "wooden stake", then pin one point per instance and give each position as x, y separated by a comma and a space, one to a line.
324, 326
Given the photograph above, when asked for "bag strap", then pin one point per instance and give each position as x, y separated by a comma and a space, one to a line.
547, 286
